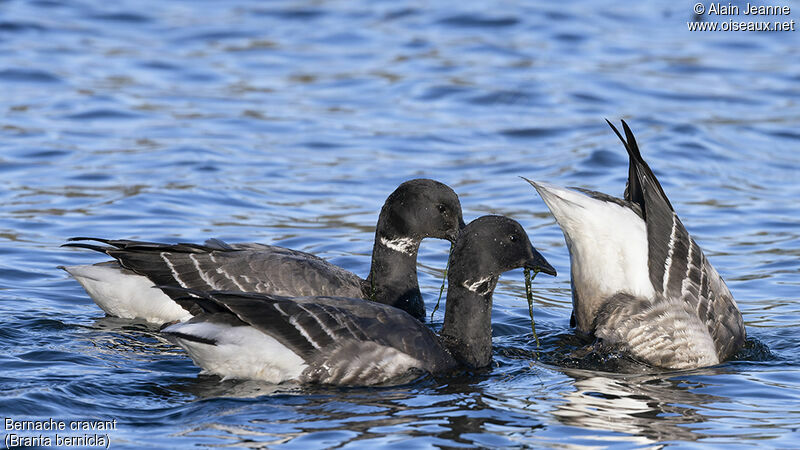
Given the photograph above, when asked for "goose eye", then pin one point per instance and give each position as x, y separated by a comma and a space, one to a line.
512, 238
442, 208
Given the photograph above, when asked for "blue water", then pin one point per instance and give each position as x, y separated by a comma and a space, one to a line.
290, 122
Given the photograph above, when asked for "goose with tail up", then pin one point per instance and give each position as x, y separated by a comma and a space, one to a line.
640, 283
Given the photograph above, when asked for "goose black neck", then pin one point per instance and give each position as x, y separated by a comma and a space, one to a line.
392, 277
467, 329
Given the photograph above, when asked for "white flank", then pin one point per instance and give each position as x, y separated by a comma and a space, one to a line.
122, 293
240, 352
402, 245
607, 245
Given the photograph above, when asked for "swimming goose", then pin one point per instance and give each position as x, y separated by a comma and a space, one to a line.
415, 210
640, 283
347, 341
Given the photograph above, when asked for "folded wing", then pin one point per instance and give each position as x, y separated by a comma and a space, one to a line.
240, 267
342, 341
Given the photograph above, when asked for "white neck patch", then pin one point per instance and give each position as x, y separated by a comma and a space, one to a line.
481, 287
402, 245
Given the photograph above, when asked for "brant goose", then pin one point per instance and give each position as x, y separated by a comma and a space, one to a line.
345, 341
415, 210
640, 283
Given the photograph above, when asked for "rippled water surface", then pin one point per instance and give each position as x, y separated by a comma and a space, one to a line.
290, 122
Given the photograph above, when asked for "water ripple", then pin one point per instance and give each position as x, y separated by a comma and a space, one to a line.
28, 76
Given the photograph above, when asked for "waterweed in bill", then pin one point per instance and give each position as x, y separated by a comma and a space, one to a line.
444, 280
529, 295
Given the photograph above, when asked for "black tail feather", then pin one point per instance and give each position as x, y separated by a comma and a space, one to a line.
638, 170
111, 243
82, 238
189, 337
145, 246
633, 147
97, 248
194, 301
183, 290
118, 243
618, 134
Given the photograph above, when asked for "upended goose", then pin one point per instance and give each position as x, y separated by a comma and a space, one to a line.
124, 288
346, 341
640, 283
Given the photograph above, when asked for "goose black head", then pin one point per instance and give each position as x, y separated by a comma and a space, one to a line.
419, 209
491, 245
